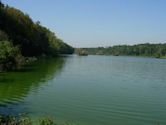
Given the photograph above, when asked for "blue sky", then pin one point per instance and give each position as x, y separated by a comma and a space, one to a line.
92, 23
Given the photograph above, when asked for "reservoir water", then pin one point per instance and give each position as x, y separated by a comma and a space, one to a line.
89, 90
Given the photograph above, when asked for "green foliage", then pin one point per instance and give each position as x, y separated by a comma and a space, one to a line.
11, 120
23, 120
47, 121
152, 50
9, 55
7, 51
33, 39
81, 52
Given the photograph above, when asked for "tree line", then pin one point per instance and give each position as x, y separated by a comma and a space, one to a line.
20, 37
147, 49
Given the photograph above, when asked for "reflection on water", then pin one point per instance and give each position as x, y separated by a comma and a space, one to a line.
91, 90
15, 86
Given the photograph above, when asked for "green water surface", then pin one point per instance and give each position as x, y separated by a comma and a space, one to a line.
91, 90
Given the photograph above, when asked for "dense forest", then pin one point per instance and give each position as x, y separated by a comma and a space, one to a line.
151, 50
21, 37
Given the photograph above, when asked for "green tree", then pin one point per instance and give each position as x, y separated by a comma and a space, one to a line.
33, 38
8, 55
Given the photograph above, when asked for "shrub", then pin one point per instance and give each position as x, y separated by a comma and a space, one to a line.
10, 56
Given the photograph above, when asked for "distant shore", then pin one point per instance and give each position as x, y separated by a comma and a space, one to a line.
143, 50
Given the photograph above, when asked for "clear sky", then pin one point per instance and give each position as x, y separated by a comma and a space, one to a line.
92, 23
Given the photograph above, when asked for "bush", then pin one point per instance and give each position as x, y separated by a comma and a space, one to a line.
10, 56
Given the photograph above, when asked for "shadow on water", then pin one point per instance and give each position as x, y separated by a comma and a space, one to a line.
15, 86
